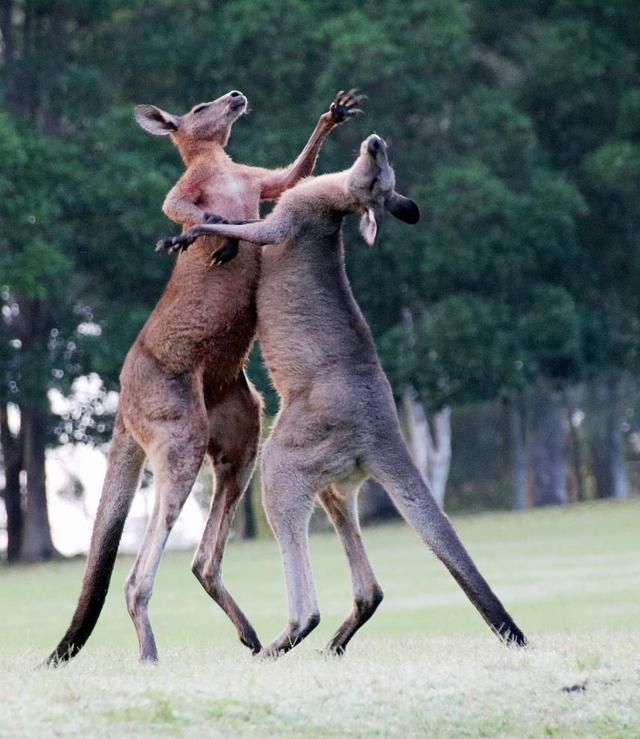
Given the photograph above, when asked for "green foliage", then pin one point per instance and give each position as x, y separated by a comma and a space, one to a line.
614, 169
628, 123
33, 202
515, 127
551, 331
79, 235
576, 72
472, 225
487, 126
458, 350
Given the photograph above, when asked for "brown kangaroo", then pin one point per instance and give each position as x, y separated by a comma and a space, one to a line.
184, 392
338, 423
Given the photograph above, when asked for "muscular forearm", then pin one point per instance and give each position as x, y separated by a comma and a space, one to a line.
279, 180
270, 231
183, 212
264, 232
342, 108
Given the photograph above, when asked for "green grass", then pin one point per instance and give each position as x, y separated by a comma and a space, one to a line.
425, 665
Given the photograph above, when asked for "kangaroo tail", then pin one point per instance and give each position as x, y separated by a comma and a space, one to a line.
123, 471
416, 504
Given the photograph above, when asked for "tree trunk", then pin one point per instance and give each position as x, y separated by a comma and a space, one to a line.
36, 543
431, 451
607, 439
12, 455
6, 27
440, 453
576, 449
547, 448
518, 451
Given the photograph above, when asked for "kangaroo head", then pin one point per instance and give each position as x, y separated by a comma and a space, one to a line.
371, 184
205, 122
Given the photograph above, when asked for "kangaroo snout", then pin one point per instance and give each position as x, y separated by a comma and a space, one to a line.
236, 99
374, 144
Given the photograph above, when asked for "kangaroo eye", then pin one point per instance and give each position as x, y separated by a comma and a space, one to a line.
198, 108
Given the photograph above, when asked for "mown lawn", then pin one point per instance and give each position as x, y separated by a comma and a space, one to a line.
425, 665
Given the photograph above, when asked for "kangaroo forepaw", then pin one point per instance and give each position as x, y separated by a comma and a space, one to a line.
214, 218
225, 253
174, 244
345, 106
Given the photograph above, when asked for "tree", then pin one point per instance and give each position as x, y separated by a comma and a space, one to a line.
430, 444
54, 211
11, 445
588, 110
516, 127
33, 272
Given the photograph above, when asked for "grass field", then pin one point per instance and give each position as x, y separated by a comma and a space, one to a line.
426, 665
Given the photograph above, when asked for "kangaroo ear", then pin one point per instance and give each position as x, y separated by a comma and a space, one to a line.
369, 226
403, 208
156, 121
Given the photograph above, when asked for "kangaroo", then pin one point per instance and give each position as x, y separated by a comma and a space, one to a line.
184, 393
338, 423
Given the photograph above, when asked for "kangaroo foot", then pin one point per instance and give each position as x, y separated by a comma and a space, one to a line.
250, 639
290, 637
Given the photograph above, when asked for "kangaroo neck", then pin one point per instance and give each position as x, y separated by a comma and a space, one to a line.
304, 284
195, 151
317, 260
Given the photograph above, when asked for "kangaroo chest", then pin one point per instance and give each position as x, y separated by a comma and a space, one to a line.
232, 196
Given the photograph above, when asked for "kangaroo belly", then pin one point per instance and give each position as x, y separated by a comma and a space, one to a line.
206, 316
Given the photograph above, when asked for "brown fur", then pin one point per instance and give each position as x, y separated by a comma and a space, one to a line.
338, 423
184, 391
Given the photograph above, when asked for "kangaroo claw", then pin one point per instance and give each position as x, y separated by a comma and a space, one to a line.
225, 254
164, 244
210, 218
345, 105
174, 244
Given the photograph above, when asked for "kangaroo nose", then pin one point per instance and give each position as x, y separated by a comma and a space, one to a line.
235, 94
374, 145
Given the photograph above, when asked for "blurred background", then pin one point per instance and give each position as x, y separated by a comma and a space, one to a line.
508, 320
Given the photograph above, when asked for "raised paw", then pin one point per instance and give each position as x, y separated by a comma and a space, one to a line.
225, 253
345, 106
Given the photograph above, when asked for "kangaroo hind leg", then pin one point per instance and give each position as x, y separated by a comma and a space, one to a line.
175, 462
340, 503
234, 426
288, 501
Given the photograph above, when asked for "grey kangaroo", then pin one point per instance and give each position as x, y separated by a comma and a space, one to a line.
184, 393
338, 423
